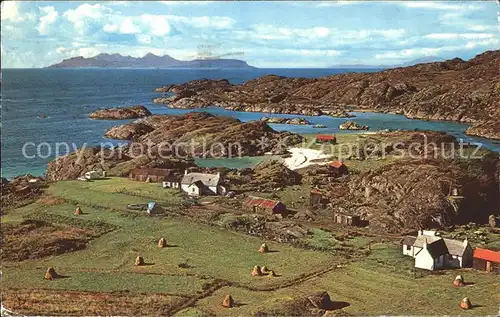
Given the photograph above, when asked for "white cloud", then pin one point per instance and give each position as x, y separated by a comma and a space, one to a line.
158, 24
161, 25
308, 35
493, 43
10, 11
177, 3
47, 19
144, 39
128, 26
323, 4
456, 36
434, 5
413, 53
84, 13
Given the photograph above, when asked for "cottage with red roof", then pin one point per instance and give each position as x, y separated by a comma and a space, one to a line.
326, 138
264, 205
486, 260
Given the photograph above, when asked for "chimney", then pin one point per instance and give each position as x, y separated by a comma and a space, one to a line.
185, 172
424, 245
466, 242
218, 174
420, 232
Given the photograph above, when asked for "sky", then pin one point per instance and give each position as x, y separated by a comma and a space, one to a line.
266, 34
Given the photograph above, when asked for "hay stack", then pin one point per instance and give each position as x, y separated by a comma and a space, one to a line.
51, 274
139, 261
162, 243
263, 248
459, 281
320, 300
228, 301
465, 303
78, 211
256, 271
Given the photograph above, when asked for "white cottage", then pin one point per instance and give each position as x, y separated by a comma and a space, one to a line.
432, 252
197, 184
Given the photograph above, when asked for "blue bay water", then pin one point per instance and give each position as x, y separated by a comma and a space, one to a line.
67, 96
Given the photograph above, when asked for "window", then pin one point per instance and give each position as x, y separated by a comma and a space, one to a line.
408, 247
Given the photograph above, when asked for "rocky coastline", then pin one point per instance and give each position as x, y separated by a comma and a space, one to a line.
293, 121
119, 113
453, 90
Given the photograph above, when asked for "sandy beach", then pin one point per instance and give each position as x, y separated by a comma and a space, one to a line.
303, 157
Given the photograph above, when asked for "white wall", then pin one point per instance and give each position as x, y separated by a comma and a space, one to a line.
424, 260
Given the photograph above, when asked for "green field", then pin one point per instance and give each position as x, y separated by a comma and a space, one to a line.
213, 262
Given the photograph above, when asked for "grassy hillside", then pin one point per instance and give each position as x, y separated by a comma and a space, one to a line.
202, 264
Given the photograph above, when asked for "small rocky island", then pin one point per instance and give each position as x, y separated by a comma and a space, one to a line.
118, 113
351, 125
296, 121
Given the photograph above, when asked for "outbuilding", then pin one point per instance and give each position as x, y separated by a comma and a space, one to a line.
486, 260
264, 205
345, 219
326, 138
155, 175
197, 184
338, 168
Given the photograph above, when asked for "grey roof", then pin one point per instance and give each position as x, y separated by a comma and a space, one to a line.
206, 179
408, 240
419, 241
455, 247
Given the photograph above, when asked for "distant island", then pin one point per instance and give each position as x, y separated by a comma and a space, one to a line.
149, 60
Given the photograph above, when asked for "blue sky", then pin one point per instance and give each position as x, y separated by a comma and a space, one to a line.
270, 34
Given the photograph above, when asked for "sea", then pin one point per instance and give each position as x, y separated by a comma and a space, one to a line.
41, 108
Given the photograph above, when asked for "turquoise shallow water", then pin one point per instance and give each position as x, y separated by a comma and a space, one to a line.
67, 96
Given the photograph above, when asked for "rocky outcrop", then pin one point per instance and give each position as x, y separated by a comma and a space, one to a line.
420, 193
200, 134
296, 121
351, 125
115, 161
266, 176
490, 129
132, 112
127, 131
456, 90
20, 190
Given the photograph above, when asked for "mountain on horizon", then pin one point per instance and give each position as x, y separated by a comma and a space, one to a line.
150, 60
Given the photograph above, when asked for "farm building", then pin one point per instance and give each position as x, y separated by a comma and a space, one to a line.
346, 219
258, 204
315, 198
172, 182
486, 260
338, 168
432, 252
326, 138
155, 175
197, 184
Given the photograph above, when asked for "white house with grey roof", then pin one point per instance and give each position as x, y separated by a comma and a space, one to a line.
198, 184
433, 252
